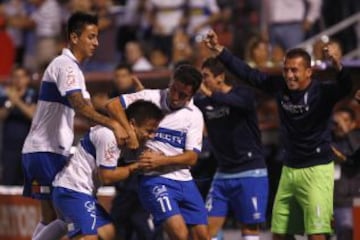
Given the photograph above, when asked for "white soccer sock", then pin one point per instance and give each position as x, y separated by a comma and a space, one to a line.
54, 230
251, 237
219, 236
40, 226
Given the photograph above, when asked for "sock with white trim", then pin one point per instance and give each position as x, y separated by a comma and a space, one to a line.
39, 227
54, 230
251, 237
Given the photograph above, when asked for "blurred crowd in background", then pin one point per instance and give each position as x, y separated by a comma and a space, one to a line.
151, 35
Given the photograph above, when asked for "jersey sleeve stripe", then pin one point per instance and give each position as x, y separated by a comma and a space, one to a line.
122, 101
107, 167
72, 91
50, 93
87, 145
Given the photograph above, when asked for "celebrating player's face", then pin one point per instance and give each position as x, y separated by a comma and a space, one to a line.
179, 94
212, 82
146, 130
297, 75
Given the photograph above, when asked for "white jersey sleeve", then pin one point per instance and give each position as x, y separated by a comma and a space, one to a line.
151, 95
195, 132
97, 149
68, 80
107, 151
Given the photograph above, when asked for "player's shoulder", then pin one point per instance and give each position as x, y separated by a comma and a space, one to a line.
102, 133
154, 92
64, 62
194, 110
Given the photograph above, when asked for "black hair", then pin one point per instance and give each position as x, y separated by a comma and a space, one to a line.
188, 75
214, 65
142, 111
347, 110
299, 52
124, 66
78, 21
19, 67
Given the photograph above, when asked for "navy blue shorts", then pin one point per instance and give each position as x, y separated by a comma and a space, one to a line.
247, 197
165, 198
40, 170
82, 212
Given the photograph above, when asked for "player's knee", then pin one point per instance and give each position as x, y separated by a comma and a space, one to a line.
48, 213
178, 234
107, 232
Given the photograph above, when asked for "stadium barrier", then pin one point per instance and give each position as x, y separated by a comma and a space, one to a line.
19, 215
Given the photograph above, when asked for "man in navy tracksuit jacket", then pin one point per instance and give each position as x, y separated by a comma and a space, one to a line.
240, 183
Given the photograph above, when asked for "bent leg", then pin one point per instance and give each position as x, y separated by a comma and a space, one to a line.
176, 228
215, 224
200, 232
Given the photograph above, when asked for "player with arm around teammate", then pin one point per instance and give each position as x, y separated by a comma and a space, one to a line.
304, 199
93, 164
62, 94
167, 188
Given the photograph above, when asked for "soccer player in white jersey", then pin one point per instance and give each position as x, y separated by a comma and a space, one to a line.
95, 163
62, 94
167, 188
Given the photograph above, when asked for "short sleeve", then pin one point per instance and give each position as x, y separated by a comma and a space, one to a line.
195, 133
148, 95
107, 151
69, 80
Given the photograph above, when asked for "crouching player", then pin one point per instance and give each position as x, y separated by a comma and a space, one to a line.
95, 163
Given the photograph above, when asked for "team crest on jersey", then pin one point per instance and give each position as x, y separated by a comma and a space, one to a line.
110, 151
70, 76
218, 112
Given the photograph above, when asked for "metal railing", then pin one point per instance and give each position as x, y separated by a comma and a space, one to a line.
308, 44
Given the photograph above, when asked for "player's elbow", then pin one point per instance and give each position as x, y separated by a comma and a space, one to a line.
112, 105
192, 158
106, 176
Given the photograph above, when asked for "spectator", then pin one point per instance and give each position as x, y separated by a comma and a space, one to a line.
165, 17
257, 54
46, 23
7, 50
347, 178
201, 15
16, 8
18, 104
285, 23
134, 55
158, 59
